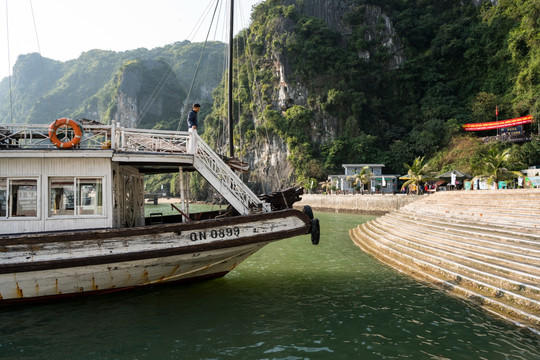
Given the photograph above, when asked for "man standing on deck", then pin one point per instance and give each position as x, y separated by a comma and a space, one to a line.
192, 128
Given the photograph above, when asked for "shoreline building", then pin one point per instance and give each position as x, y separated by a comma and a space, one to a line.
378, 182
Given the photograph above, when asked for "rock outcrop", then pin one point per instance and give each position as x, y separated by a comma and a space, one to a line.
138, 102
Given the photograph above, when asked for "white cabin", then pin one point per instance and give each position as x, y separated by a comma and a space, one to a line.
99, 184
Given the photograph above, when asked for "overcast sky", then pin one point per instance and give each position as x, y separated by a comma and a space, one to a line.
63, 29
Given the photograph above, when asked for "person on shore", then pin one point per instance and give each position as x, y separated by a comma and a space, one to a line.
192, 127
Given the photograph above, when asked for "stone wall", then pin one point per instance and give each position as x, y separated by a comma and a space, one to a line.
362, 204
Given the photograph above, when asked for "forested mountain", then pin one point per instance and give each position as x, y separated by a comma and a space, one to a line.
323, 83
141, 87
382, 81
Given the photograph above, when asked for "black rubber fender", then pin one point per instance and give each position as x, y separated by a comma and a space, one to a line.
315, 231
307, 210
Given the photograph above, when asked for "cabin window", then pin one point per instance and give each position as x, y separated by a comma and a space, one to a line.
75, 196
18, 197
3, 197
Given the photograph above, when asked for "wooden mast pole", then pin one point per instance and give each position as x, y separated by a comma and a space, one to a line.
230, 79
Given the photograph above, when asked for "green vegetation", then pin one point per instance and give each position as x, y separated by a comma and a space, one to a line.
495, 165
361, 178
44, 90
417, 174
460, 61
374, 95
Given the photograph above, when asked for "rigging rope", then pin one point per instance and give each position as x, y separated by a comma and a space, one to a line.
9, 56
41, 62
198, 64
35, 27
9, 65
168, 73
154, 95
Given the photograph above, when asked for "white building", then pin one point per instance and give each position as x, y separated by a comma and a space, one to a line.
378, 183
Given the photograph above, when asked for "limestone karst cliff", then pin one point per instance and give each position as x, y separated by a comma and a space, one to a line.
317, 83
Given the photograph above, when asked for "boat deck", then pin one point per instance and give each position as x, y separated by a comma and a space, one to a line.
149, 151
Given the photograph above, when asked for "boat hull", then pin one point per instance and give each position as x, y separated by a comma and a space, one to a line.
38, 266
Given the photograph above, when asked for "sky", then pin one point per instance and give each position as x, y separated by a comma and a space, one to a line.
63, 29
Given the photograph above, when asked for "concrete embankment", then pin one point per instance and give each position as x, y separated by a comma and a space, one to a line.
363, 204
483, 246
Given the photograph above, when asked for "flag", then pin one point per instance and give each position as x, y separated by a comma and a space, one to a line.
383, 182
496, 111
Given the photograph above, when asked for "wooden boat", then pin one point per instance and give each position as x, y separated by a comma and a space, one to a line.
72, 212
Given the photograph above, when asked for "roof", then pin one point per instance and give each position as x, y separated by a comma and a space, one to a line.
458, 174
362, 165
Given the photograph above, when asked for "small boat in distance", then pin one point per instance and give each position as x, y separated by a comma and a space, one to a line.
72, 220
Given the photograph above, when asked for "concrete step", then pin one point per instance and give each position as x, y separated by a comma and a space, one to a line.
522, 194
504, 234
525, 245
475, 268
477, 208
507, 274
488, 249
482, 245
486, 216
514, 307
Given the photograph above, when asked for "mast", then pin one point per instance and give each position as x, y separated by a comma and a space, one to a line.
230, 79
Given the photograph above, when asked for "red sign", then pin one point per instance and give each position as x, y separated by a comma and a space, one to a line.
498, 124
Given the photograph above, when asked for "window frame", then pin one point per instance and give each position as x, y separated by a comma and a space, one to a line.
9, 198
77, 208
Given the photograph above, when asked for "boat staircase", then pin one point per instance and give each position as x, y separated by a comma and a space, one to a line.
480, 245
225, 181
143, 142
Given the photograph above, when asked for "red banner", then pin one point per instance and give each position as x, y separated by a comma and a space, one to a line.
498, 124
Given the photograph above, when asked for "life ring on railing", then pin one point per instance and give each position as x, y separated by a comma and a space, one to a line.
77, 133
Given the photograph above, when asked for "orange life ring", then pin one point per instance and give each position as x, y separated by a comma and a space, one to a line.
65, 122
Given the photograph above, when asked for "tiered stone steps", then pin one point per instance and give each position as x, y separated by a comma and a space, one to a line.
481, 245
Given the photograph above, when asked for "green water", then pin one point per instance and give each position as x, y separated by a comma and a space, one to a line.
292, 300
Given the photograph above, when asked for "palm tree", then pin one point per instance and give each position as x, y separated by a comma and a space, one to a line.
417, 173
326, 185
363, 177
495, 164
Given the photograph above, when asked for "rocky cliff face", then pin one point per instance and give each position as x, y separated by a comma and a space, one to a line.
379, 28
137, 102
270, 169
331, 11
269, 161
380, 31
480, 2
127, 109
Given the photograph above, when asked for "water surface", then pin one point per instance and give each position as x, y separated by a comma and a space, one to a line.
291, 300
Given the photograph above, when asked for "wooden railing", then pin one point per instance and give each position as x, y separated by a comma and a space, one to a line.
96, 137
223, 179
120, 139
34, 136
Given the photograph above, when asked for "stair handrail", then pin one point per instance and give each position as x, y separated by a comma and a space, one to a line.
210, 160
